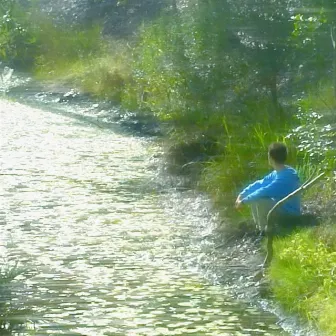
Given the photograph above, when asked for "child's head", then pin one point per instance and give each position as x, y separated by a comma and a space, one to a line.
277, 153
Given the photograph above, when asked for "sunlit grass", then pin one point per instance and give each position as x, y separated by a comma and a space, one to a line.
303, 275
103, 77
243, 157
321, 99
57, 44
80, 57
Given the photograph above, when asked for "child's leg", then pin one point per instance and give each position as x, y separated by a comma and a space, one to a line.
260, 210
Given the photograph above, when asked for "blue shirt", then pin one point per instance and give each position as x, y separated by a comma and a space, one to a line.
276, 186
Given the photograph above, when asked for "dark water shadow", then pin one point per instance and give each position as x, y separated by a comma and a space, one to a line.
14, 316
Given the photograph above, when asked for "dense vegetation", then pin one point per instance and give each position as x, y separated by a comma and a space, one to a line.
225, 78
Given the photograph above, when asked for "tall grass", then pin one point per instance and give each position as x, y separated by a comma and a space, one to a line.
321, 99
303, 276
103, 76
243, 154
79, 56
60, 47
74, 55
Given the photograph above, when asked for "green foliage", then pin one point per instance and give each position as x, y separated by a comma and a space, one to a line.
30, 39
17, 43
104, 76
314, 35
314, 139
212, 78
226, 78
78, 55
239, 163
61, 47
303, 277
183, 64
159, 80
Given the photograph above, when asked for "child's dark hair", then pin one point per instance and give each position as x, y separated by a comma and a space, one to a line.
278, 152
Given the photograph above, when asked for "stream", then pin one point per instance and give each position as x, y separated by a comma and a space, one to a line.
105, 241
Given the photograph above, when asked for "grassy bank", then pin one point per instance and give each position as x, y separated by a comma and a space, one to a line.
303, 276
81, 58
215, 97
302, 273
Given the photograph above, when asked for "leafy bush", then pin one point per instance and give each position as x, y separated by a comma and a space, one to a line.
17, 43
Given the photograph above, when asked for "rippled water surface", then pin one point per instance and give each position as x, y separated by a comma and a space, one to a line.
102, 244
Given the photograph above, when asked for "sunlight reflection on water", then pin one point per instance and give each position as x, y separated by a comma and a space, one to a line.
103, 244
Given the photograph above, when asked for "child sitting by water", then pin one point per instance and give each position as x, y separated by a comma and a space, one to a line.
263, 194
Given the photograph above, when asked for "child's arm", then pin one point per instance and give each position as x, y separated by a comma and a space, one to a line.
257, 185
273, 189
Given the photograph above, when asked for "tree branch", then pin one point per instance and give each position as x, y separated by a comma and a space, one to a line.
269, 231
302, 188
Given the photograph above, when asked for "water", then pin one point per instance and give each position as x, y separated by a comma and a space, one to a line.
106, 246
5, 78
